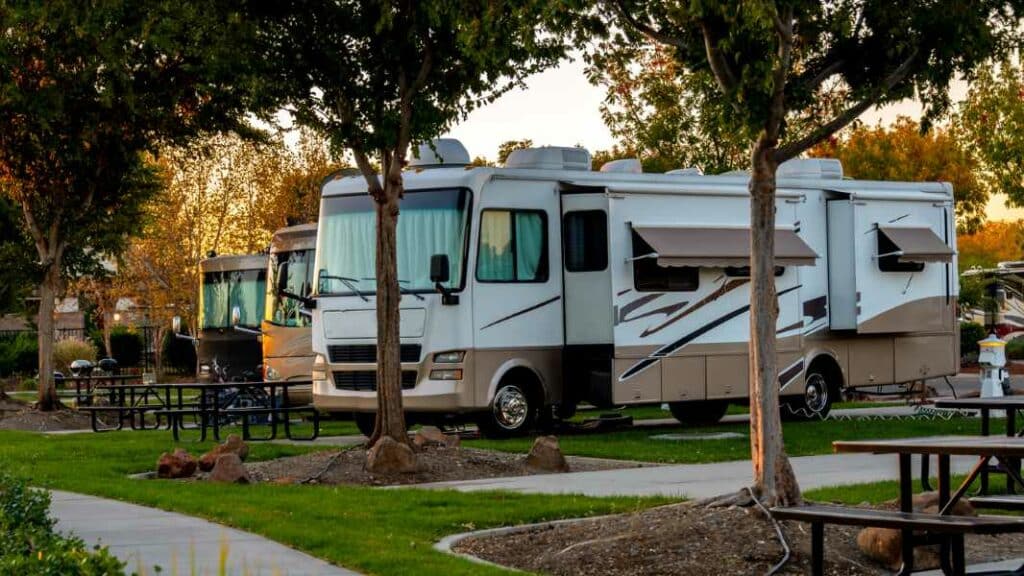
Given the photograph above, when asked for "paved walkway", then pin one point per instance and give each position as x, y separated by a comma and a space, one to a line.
145, 537
697, 480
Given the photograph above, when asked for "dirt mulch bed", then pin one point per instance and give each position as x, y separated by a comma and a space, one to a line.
31, 420
691, 539
436, 464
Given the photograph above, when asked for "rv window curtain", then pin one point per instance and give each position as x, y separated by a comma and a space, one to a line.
215, 301
529, 246
247, 291
512, 247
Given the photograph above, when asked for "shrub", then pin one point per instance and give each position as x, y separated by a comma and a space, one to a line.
126, 345
67, 351
1015, 349
19, 355
970, 333
29, 545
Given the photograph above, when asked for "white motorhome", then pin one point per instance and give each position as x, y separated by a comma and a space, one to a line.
540, 285
1003, 313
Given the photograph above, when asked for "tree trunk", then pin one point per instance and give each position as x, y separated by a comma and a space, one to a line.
48, 290
158, 335
390, 416
774, 480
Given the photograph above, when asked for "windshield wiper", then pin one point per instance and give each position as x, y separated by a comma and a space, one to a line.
401, 289
349, 283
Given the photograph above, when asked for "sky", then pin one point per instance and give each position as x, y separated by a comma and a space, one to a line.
559, 107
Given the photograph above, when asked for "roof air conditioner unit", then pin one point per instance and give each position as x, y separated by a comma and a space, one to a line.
550, 158
440, 153
623, 165
814, 168
692, 171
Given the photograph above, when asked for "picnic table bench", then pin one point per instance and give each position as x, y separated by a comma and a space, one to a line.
943, 528
1010, 405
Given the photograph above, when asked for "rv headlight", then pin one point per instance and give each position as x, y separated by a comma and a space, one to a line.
271, 374
319, 367
447, 374
451, 357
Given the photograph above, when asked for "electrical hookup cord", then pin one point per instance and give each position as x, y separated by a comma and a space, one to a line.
778, 532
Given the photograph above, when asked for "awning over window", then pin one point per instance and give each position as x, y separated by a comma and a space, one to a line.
720, 247
917, 244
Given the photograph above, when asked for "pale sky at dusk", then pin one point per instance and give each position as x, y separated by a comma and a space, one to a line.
560, 108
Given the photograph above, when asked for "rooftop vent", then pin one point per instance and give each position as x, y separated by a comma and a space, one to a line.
692, 171
442, 152
623, 165
550, 158
813, 168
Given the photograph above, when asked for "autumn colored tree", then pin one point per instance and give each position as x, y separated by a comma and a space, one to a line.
376, 77
509, 146
88, 89
773, 65
310, 162
903, 152
994, 242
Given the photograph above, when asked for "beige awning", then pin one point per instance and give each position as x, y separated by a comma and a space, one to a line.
917, 244
719, 247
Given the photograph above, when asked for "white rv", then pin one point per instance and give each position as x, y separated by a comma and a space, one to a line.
540, 285
1004, 289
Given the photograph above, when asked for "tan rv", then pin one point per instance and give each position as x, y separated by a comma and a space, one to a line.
287, 345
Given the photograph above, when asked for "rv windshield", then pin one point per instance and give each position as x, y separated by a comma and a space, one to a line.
221, 291
290, 272
431, 222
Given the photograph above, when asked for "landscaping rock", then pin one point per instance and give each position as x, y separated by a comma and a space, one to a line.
546, 456
433, 436
179, 464
884, 544
229, 469
233, 445
390, 457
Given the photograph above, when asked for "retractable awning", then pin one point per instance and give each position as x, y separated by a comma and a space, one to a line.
720, 246
915, 244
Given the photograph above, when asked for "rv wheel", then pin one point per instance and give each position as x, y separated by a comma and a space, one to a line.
512, 412
365, 421
816, 402
699, 413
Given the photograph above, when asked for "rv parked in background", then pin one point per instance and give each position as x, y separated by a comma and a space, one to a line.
1003, 312
287, 342
232, 291
534, 287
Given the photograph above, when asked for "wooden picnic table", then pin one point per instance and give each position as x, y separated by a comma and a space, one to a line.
985, 448
1011, 405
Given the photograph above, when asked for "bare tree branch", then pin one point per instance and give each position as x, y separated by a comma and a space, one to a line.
784, 25
645, 29
792, 149
719, 66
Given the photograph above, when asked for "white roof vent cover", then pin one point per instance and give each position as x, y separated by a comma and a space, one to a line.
811, 168
445, 152
623, 165
550, 158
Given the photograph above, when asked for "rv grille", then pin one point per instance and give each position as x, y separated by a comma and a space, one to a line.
366, 380
367, 353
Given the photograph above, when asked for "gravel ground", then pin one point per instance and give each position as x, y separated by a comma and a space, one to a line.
34, 421
436, 464
691, 539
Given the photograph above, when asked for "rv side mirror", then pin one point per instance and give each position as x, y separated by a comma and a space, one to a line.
439, 272
176, 324
236, 315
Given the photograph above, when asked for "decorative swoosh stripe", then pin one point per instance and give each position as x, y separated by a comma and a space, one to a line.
816, 308
523, 311
723, 289
789, 374
792, 326
657, 355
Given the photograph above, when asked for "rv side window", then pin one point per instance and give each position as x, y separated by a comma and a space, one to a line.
648, 276
892, 263
744, 271
585, 241
513, 246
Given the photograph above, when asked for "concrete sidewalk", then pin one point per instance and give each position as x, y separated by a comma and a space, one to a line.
698, 480
146, 537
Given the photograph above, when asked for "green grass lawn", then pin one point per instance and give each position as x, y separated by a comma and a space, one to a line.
802, 439
371, 530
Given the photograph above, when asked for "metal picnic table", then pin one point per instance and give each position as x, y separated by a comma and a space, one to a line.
984, 448
1011, 405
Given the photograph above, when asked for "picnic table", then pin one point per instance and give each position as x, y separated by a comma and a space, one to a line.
85, 386
984, 448
1011, 405
212, 405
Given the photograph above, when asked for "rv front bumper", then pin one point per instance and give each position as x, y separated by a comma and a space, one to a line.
445, 396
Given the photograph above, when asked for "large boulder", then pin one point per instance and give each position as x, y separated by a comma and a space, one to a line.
179, 464
433, 436
389, 457
229, 469
884, 544
233, 445
546, 456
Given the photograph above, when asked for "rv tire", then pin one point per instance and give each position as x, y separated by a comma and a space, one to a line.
817, 400
513, 411
701, 413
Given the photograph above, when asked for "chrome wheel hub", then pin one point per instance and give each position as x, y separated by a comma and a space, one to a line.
816, 394
511, 408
